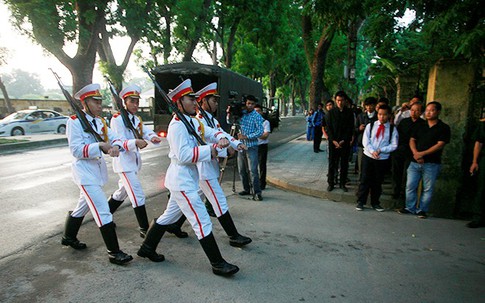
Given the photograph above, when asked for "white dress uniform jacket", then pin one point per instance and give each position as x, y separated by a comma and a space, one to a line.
185, 153
88, 165
130, 159
210, 170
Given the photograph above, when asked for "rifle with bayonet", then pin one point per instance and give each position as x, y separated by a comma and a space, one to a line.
77, 110
119, 106
204, 115
174, 108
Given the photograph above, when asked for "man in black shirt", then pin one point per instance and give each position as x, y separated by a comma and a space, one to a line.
427, 143
364, 118
340, 130
401, 157
478, 166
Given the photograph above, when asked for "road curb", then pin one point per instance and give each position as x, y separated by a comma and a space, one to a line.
349, 197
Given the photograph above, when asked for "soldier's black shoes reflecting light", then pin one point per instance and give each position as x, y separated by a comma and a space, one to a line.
143, 232
119, 257
146, 252
224, 269
239, 240
74, 243
71, 229
177, 231
244, 193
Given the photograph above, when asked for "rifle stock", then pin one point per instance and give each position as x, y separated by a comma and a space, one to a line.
174, 108
77, 109
124, 114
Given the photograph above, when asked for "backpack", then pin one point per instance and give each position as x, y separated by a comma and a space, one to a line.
391, 129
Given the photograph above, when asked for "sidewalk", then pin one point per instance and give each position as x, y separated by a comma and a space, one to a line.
294, 166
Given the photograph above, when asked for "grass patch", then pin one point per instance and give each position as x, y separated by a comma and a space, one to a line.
8, 141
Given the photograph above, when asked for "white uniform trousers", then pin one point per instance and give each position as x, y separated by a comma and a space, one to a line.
190, 204
92, 198
129, 186
213, 192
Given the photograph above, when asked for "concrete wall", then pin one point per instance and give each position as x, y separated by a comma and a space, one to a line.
450, 83
405, 88
61, 106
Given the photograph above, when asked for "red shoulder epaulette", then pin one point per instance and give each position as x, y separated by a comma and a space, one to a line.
116, 115
73, 117
177, 119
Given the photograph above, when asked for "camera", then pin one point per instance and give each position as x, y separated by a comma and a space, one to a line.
236, 106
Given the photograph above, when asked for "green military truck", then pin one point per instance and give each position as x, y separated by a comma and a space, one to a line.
232, 87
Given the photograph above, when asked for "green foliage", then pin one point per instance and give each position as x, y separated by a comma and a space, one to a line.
22, 84
453, 27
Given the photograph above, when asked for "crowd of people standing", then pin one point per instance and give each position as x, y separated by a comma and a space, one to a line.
406, 143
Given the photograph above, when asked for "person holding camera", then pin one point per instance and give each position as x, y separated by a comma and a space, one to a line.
251, 129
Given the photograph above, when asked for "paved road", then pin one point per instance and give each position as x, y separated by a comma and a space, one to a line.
304, 250
37, 189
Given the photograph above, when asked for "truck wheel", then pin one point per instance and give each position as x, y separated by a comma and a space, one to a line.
17, 131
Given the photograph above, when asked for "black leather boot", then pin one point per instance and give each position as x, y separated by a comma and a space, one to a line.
235, 239
70, 232
219, 265
116, 255
176, 228
141, 217
152, 238
210, 209
113, 205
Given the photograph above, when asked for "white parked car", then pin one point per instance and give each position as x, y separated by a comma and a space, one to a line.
31, 121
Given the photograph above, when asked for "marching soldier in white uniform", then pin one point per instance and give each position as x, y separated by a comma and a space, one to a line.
209, 171
182, 181
128, 164
90, 174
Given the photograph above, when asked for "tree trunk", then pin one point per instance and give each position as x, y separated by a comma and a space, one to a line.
302, 96
114, 71
230, 42
318, 90
8, 104
316, 59
167, 45
200, 22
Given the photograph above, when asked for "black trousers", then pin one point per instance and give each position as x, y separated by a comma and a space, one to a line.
338, 157
263, 158
371, 179
400, 162
317, 139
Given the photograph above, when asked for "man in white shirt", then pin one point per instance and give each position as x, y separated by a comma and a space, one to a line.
128, 164
90, 173
379, 140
